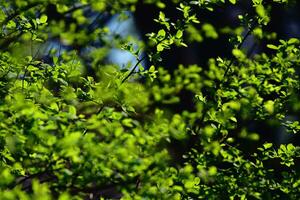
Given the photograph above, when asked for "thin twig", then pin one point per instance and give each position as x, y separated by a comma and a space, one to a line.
139, 61
134, 68
75, 8
251, 28
238, 47
15, 14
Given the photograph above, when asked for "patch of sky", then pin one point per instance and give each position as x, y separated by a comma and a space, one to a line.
123, 28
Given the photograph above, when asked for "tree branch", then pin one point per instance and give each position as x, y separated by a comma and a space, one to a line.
21, 10
134, 68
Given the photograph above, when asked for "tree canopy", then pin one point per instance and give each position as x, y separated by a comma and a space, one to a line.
77, 125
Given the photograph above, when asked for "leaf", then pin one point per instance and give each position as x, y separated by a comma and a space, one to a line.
130, 109
72, 110
290, 147
212, 171
32, 68
260, 10
238, 53
160, 47
195, 3
162, 16
293, 41
253, 136
28, 59
271, 46
269, 106
233, 119
208, 131
179, 34
152, 68
127, 122
43, 19
55, 59
54, 106
268, 145
233, 1
201, 98
161, 33
183, 44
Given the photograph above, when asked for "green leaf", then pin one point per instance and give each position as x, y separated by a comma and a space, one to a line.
72, 110
43, 19
293, 41
201, 98
290, 147
269, 106
233, 119
55, 59
152, 68
54, 106
160, 47
161, 33
183, 44
271, 46
238, 53
162, 16
260, 10
268, 145
127, 122
179, 34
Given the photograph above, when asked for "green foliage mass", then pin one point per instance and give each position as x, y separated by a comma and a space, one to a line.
68, 134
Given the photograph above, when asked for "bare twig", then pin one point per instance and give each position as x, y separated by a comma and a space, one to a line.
218, 86
238, 47
134, 68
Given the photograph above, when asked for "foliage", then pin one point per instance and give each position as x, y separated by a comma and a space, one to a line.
74, 126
